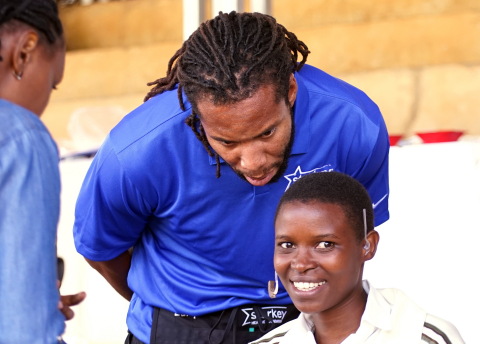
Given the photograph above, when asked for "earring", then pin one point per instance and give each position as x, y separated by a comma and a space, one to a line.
273, 287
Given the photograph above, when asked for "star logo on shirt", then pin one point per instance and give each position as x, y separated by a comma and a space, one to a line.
293, 177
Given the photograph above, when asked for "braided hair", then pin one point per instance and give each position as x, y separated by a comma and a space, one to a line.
335, 188
227, 59
42, 15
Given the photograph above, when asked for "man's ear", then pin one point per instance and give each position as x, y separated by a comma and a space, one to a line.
371, 244
292, 90
22, 52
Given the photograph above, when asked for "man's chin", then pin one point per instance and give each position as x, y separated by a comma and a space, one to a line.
270, 178
261, 181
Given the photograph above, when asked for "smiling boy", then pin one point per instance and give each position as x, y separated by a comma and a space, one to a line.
323, 236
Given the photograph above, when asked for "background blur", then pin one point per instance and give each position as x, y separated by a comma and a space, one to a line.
419, 60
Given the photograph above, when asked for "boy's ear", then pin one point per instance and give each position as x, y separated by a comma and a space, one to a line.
22, 52
371, 244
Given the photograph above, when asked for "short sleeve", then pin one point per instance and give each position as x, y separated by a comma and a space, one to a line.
110, 212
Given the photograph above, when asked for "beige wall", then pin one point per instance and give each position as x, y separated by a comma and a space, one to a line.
418, 59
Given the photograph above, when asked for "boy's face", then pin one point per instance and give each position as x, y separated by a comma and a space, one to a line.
317, 257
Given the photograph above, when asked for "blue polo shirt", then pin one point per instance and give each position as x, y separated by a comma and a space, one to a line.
201, 243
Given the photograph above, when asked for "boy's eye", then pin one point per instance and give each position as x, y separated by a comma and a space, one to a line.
324, 245
286, 245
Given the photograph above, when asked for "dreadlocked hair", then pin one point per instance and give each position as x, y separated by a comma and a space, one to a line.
226, 60
42, 15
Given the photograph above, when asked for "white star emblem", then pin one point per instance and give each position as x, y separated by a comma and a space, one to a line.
292, 178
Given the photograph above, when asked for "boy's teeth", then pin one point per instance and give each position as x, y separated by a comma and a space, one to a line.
306, 286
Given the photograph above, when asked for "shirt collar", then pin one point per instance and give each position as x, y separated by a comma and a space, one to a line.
377, 311
377, 314
301, 331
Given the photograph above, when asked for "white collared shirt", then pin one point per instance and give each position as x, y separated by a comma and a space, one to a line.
389, 317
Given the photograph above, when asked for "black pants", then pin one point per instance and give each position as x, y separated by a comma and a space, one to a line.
238, 325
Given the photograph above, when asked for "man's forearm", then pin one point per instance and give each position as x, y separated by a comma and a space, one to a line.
115, 271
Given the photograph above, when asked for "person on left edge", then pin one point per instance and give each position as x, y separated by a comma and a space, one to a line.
32, 56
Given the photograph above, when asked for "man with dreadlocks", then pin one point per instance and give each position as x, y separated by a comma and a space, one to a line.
32, 56
177, 208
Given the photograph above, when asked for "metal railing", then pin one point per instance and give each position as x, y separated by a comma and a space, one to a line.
194, 11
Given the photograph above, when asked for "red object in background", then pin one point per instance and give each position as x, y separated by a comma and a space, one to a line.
440, 136
394, 139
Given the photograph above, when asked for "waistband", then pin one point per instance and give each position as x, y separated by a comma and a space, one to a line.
248, 321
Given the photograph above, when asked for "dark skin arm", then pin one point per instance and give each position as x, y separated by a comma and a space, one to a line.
115, 271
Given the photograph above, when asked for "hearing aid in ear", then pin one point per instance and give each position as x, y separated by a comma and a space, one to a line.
367, 243
273, 287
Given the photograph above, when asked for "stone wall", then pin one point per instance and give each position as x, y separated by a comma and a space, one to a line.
418, 59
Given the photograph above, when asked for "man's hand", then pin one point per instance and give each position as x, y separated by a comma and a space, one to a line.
68, 301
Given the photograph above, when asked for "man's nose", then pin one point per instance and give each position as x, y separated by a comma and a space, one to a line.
253, 158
